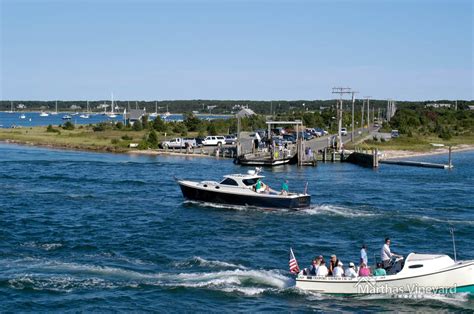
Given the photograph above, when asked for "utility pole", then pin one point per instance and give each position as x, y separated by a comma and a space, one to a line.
353, 126
362, 115
341, 91
368, 112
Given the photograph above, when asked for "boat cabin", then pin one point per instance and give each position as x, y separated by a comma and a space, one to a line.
241, 180
416, 263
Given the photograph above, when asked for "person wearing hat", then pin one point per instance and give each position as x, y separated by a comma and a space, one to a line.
350, 271
338, 271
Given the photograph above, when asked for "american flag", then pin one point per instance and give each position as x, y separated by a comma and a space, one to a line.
293, 263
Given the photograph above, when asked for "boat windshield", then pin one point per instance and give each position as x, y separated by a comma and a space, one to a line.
229, 181
249, 182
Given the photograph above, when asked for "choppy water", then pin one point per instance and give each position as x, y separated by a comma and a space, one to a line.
103, 232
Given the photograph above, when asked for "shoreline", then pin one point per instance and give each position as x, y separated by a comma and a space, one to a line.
386, 154
403, 154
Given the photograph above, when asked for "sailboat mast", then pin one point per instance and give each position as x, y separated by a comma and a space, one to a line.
112, 111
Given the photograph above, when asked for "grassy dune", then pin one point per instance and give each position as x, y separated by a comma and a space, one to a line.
418, 143
80, 138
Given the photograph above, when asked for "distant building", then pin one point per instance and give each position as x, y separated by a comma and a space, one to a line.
134, 115
245, 112
471, 107
435, 105
75, 107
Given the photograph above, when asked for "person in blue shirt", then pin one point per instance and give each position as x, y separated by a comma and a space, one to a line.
284, 188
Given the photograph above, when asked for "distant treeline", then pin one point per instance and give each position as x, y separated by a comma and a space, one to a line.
216, 106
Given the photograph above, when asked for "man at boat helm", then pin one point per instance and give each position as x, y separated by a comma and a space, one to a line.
386, 255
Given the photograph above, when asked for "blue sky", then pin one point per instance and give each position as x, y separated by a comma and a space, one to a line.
156, 50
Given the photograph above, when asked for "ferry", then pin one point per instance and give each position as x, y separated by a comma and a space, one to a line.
239, 189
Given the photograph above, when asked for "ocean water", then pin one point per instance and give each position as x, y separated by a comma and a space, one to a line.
84, 231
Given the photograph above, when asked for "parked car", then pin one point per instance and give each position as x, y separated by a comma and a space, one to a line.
343, 131
179, 143
314, 132
289, 138
230, 139
213, 141
395, 133
322, 131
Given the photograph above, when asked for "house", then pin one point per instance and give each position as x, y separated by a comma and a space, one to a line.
435, 105
245, 112
134, 115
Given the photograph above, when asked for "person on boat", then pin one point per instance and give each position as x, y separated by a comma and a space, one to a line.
313, 270
363, 255
259, 186
350, 271
322, 269
333, 263
364, 271
284, 188
380, 271
386, 255
338, 271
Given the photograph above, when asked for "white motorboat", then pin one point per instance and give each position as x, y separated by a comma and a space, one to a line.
239, 189
84, 116
418, 274
22, 116
66, 117
44, 114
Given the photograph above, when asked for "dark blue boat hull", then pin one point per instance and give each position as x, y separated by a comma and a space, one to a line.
210, 196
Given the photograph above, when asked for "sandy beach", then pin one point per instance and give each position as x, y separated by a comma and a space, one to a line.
397, 154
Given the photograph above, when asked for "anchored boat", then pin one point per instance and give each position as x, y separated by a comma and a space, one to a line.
239, 189
418, 274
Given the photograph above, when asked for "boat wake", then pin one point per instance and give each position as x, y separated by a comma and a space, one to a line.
197, 261
50, 275
336, 211
233, 207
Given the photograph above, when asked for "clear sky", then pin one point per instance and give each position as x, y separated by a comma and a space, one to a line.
156, 50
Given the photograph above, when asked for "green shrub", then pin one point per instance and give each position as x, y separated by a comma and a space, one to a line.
152, 139
137, 126
115, 141
126, 137
68, 126
51, 129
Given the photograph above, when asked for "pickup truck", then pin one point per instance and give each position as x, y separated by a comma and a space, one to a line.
179, 143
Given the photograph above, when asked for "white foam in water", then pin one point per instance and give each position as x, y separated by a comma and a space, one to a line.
59, 276
336, 210
199, 261
233, 207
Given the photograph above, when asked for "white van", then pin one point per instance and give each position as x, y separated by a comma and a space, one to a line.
213, 141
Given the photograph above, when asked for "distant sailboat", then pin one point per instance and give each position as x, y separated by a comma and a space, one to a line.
55, 112
155, 114
22, 116
112, 113
166, 114
66, 117
85, 115
11, 107
44, 114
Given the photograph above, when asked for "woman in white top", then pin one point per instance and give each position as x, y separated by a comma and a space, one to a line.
338, 271
322, 269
